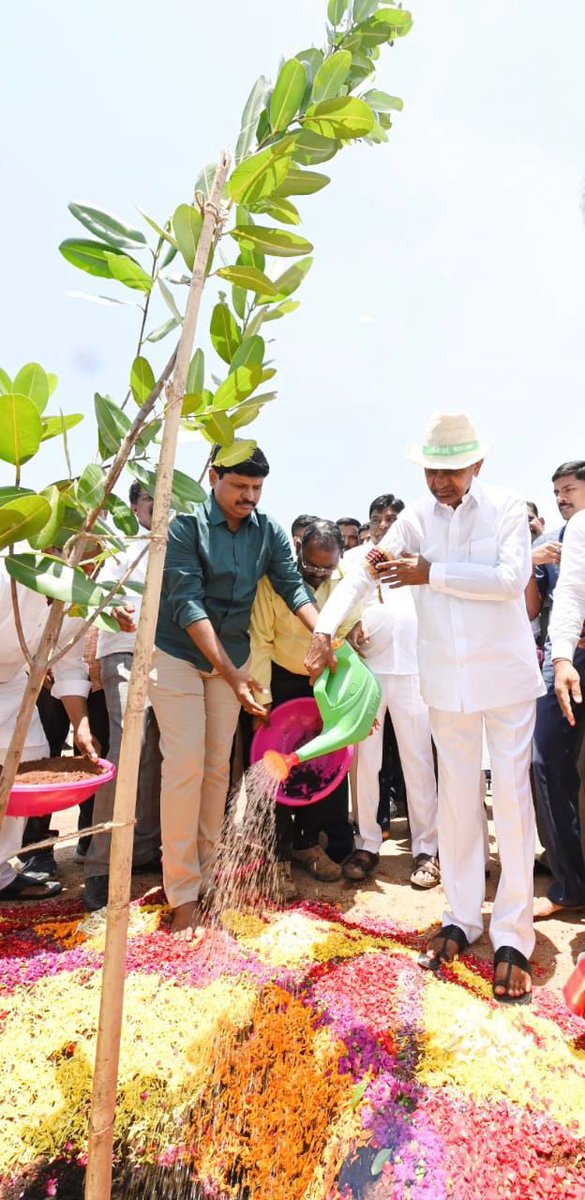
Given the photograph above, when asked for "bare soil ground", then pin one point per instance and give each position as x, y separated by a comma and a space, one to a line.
388, 894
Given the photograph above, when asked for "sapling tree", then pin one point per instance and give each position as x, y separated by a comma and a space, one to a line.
238, 232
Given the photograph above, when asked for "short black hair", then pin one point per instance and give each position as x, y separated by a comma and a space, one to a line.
365, 528
137, 490
533, 506
381, 502
570, 468
300, 523
254, 467
326, 533
348, 521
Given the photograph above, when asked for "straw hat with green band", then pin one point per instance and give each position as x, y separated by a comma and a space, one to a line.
450, 444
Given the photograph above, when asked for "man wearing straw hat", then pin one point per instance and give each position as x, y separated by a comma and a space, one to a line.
466, 551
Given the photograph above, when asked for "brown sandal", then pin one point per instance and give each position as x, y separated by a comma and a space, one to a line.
426, 872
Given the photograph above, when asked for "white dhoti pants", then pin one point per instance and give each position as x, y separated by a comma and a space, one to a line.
12, 830
410, 718
458, 741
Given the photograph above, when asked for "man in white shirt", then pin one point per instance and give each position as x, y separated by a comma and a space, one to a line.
467, 553
388, 645
71, 685
115, 653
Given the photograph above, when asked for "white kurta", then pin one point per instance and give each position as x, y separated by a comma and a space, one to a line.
568, 611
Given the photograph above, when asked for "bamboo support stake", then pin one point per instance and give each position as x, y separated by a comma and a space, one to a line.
98, 1183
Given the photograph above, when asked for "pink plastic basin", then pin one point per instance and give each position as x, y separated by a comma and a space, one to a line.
36, 799
292, 725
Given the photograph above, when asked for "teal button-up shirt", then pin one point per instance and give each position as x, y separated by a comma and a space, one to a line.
212, 573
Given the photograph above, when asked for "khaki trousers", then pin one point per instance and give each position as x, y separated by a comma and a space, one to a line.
197, 714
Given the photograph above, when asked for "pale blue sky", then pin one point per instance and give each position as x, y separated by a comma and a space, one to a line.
449, 264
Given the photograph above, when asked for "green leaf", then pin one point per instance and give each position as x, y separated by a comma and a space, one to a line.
279, 208
204, 181
252, 109
302, 183
358, 1093
260, 174
237, 452
128, 272
187, 223
344, 118
20, 428
311, 60
48, 533
186, 492
250, 351
381, 102
239, 301
383, 1156
12, 492
245, 416
108, 227
90, 486
22, 517
384, 26
54, 426
217, 428
5, 383
162, 233
288, 94
169, 300
196, 373
225, 332
336, 9
238, 386
278, 242
192, 402
123, 517
52, 577
157, 335
249, 278
312, 148
52, 381
149, 433
32, 381
331, 76
291, 279
362, 9
142, 381
89, 256
271, 314
113, 424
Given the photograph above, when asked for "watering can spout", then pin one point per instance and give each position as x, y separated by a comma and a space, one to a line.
348, 701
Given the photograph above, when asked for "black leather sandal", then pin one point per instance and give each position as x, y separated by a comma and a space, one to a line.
514, 958
431, 960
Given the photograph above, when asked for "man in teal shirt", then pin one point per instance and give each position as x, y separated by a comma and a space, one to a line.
199, 677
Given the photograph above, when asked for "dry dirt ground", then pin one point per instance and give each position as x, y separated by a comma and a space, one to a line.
389, 895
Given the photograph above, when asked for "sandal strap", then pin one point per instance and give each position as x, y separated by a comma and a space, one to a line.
509, 954
453, 933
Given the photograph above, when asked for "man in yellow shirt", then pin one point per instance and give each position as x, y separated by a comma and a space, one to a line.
278, 647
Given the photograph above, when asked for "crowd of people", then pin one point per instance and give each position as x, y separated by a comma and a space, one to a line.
468, 612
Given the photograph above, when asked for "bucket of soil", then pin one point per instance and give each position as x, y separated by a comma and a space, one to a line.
292, 725
49, 784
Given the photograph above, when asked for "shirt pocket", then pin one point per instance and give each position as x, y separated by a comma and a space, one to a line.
484, 551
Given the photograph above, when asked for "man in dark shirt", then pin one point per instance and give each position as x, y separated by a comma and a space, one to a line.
556, 743
199, 676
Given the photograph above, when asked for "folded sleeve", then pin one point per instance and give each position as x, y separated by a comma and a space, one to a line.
183, 578
506, 579
70, 674
568, 612
283, 572
352, 590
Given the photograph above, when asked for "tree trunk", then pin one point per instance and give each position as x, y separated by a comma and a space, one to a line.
101, 1128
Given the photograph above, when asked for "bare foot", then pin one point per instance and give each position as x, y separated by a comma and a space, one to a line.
184, 922
511, 981
543, 908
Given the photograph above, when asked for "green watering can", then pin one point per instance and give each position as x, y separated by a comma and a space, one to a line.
348, 700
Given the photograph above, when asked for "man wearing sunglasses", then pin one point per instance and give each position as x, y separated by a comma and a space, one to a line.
279, 644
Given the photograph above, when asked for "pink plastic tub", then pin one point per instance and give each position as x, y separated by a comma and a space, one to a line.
292, 725
36, 799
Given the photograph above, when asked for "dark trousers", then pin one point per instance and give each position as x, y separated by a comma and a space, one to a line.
556, 785
55, 723
299, 828
392, 786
